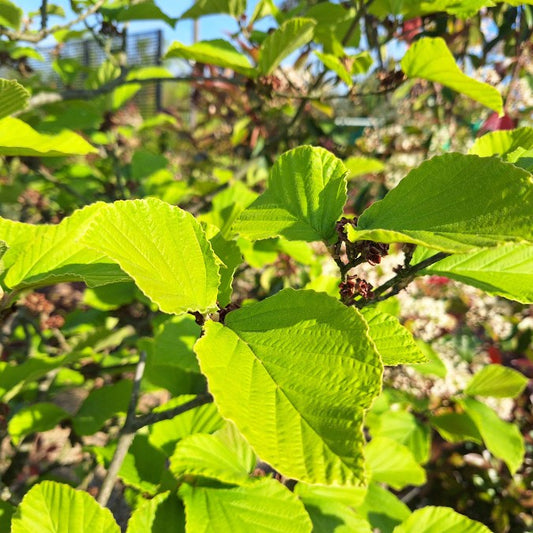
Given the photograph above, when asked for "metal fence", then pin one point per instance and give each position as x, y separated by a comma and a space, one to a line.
141, 49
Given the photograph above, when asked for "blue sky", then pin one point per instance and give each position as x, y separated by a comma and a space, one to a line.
211, 27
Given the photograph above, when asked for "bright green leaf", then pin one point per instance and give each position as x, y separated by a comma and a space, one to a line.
215, 52
295, 373
505, 270
358, 166
393, 463
434, 366
144, 10
382, 508
305, 197
502, 439
266, 505
51, 507
10, 14
394, 342
290, 36
201, 8
13, 97
430, 59
157, 515
18, 138
456, 427
502, 142
497, 381
404, 428
333, 63
163, 249
46, 254
224, 455
166, 433
432, 519
446, 204
35, 418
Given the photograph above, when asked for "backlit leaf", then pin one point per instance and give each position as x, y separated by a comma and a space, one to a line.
430, 59
497, 381
13, 97
295, 373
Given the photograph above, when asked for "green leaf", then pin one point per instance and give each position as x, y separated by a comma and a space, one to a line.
163, 249
157, 515
13, 97
203, 419
359, 166
404, 428
502, 142
497, 381
215, 52
456, 427
331, 508
394, 343
335, 64
505, 270
267, 505
229, 253
434, 366
290, 36
18, 138
430, 59
145, 10
502, 439
383, 509
100, 405
201, 8
439, 520
34, 418
47, 254
225, 455
445, 204
174, 341
295, 373
6, 512
51, 507
305, 197
393, 463
10, 14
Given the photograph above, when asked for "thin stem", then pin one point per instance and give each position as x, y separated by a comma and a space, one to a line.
44, 14
126, 436
403, 278
35, 37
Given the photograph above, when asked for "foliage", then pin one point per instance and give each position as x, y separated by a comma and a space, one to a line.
252, 313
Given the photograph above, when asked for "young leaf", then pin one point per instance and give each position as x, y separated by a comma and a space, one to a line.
10, 14
432, 519
505, 270
295, 373
445, 204
404, 428
266, 505
163, 249
51, 507
305, 197
496, 381
144, 10
157, 515
335, 64
501, 438
503, 142
430, 59
290, 36
382, 508
225, 455
456, 427
393, 463
47, 254
18, 138
13, 97
33, 418
201, 8
203, 419
394, 342
215, 52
